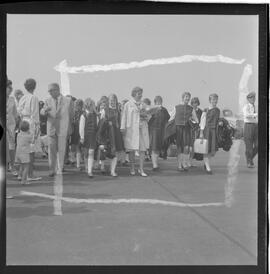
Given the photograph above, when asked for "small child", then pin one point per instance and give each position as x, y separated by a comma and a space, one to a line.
24, 140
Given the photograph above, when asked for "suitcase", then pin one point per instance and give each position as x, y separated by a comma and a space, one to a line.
201, 146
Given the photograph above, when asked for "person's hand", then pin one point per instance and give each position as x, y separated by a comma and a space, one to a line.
123, 131
220, 123
110, 123
82, 141
101, 147
201, 134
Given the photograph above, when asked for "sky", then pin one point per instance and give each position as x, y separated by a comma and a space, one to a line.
37, 43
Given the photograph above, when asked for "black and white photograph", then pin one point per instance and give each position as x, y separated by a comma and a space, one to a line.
132, 139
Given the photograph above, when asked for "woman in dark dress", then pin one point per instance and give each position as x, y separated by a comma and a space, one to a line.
109, 136
75, 136
195, 130
88, 131
208, 129
156, 130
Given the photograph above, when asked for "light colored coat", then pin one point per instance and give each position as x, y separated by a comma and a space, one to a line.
59, 120
136, 135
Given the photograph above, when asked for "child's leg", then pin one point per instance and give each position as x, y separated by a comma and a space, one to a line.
113, 166
25, 172
155, 159
90, 161
142, 157
206, 158
78, 156
185, 157
20, 171
132, 161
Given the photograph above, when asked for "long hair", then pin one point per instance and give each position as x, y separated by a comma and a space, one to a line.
88, 103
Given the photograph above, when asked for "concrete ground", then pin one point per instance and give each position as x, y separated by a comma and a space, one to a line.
131, 234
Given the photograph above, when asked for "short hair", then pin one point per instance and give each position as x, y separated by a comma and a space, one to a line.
78, 104
24, 126
30, 84
158, 98
55, 85
89, 102
124, 101
213, 95
186, 93
195, 100
17, 92
9, 83
135, 91
147, 101
113, 95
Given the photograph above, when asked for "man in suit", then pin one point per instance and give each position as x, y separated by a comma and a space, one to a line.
59, 111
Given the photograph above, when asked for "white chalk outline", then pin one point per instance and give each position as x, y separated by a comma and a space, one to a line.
120, 201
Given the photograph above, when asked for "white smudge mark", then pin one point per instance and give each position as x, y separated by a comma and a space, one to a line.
121, 201
62, 66
136, 247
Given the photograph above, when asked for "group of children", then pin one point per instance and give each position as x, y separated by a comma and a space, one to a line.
98, 133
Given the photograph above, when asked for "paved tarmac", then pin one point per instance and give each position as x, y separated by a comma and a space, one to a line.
135, 233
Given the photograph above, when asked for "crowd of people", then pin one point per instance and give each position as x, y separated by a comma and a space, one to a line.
84, 133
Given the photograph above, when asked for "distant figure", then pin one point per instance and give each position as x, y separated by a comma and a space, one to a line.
59, 112
18, 94
156, 131
250, 129
29, 111
43, 131
208, 129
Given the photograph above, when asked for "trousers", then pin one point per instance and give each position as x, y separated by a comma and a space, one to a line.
251, 140
56, 150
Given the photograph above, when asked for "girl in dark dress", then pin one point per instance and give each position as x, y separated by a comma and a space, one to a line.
195, 131
88, 130
75, 136
109, 136
208, 129
182, 114
156, 131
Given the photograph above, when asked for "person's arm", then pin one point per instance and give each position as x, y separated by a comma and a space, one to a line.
172, 115
34, 109
194, 116
202, 124
124, 119
81, 127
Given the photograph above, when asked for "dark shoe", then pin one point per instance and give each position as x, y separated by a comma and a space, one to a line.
155, 169
252, 163
90, 176
180, 169
209, 172
52, 174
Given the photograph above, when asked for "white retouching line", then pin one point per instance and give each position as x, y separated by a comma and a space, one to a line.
62, 67
120, 201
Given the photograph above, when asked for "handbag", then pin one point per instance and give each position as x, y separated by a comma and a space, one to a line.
201, 146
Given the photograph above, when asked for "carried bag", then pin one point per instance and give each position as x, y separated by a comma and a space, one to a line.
201, 146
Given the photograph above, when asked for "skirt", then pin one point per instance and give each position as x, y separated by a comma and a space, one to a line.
156, 139
75, 136
90, 142
211, 135
119, 143
183, 137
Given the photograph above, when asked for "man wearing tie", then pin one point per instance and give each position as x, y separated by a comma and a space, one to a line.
59, 111
250, 129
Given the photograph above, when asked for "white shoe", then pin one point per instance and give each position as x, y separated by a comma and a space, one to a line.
142, 173
34, 178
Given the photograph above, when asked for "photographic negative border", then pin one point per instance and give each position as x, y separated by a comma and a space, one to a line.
117, 7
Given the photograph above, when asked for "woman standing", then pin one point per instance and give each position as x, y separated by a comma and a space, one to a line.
12, 117
88, 130
135, 130
156, 131
29, 110
75, 136
109, 133
208, 129
182, 114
